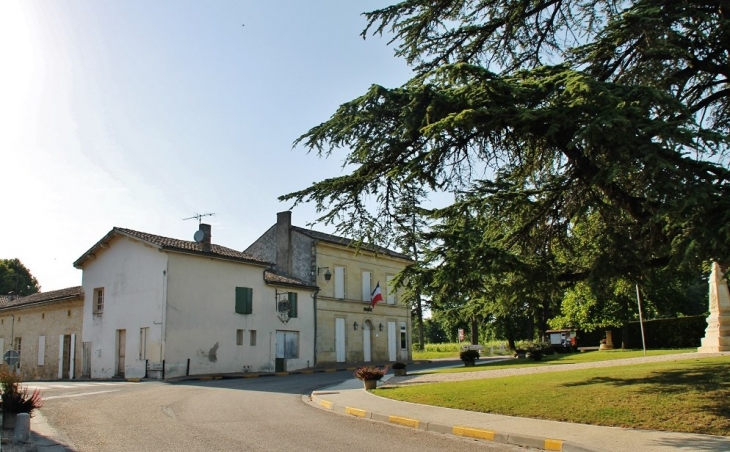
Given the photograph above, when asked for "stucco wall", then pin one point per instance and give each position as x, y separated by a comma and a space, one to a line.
303, 257
202, 323
132, 274
50, 320
265, 246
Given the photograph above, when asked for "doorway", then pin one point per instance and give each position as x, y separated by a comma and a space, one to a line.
66, 357
366, 350
121, 352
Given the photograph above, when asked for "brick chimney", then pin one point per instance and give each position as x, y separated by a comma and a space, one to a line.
283, 242
206, 236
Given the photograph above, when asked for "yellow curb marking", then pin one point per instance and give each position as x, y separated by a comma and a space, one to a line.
554, 444
355, 411
206, 378
473, 433
133, 380
307, 371
250, 375
281, 374
326, 404
217, 378
330, 370
403, 421
350, 368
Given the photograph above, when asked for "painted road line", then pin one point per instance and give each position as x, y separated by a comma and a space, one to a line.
80, 395
554, 444
477, 433
407, 422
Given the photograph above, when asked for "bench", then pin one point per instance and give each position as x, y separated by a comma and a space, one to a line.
587, 349
471, 347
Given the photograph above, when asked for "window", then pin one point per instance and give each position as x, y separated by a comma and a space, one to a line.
293, 308
340, 282
98, 300
366, 290
239, 337
403, 340
253, 338
389, 288
244, 300
287, 344
143, 332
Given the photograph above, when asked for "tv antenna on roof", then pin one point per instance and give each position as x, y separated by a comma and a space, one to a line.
199, 216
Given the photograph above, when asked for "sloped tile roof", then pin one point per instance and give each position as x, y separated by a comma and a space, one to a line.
329, 238
272, 278
44, 297
167, 243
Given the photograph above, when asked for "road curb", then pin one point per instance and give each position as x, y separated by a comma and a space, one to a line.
548, 444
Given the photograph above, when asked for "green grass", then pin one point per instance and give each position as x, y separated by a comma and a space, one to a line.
450, 350
566, 358
683, 396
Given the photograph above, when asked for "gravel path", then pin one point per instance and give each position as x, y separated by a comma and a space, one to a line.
497, 373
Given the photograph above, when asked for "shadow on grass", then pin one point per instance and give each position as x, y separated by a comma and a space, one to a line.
709, 382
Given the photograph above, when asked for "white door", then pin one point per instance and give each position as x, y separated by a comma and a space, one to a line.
340, 340
392, 341
366, 342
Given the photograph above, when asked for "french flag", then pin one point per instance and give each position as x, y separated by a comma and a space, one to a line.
376, 296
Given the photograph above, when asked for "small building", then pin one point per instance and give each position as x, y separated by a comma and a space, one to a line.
162, 307
45, 330
348, 330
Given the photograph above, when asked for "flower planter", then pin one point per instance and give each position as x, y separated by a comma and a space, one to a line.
370, 384
9, 420
399, 372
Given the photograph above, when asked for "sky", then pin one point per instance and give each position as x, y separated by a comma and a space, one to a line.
139, 114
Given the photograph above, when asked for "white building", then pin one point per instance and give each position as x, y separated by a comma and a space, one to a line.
161, 307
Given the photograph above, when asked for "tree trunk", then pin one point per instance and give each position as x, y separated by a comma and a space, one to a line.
625, 338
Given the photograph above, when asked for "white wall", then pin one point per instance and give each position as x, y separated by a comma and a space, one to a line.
131, 274
202, 323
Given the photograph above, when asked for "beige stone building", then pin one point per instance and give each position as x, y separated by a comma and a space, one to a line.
45, 329
347, 329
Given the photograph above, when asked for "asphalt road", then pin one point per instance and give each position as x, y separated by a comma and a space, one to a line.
265, 414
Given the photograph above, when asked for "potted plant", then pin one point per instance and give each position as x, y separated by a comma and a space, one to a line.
532, 350
370, 375
16, 399
399, 369
469, 357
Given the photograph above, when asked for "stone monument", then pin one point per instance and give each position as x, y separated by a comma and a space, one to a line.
717, 334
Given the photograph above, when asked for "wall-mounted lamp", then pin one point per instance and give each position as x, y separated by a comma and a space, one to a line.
355, 325
327, 272
380, 327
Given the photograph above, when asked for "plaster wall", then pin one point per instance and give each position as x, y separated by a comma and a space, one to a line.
202, 323
133, 276
50, 320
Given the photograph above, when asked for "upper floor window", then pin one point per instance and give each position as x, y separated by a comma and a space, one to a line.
340, 282
244, 300
98, 300
390, 289
366, 289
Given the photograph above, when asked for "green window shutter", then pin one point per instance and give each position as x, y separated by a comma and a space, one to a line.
293, 312
244, 300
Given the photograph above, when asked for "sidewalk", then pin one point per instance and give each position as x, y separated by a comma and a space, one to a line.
351, 399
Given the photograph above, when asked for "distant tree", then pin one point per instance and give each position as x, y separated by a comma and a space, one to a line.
16, 279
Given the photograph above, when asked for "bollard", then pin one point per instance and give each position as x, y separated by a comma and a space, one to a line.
22, 429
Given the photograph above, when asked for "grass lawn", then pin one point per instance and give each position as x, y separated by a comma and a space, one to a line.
684, 396
564, 358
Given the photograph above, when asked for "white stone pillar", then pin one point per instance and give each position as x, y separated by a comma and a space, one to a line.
717, 334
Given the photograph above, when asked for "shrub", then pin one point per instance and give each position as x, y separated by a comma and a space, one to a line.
533, 350
370, 373
399, 365
16, 399
469, 355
